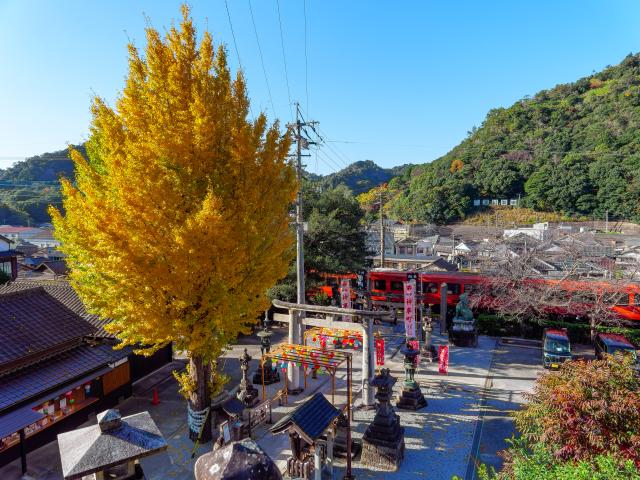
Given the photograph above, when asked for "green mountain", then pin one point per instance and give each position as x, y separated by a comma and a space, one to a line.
361, 176
573, 149
27, 188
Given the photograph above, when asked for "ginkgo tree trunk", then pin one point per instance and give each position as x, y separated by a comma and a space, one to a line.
177, 222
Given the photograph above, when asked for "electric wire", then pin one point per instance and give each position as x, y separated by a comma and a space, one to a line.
235, 45
306, 59
264, 70
284, 59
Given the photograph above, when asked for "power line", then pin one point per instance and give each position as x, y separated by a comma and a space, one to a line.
233, 35
306, 60
264, 70
235, 45
284, 59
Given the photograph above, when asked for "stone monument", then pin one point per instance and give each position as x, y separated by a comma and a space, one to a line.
247, 393
411, 397
463, 326
383, 441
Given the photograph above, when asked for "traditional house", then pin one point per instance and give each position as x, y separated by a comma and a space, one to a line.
8, 259
57, 364
52, 371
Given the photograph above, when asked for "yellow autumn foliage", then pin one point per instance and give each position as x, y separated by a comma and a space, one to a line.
178, 221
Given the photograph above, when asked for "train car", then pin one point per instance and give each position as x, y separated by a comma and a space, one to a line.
386, 287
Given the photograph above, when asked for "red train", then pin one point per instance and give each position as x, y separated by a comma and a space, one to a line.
387, 289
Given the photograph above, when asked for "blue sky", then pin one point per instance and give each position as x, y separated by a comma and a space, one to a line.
403, 80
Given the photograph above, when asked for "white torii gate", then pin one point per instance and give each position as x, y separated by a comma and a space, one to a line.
297, 321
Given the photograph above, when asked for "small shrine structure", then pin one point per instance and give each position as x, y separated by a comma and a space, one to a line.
311, 427
111, 448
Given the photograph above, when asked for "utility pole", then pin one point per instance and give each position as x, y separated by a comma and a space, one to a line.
606, 221
295, 322
301, 143
381, 232
299, 218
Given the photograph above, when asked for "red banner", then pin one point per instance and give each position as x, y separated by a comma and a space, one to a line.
345, 296
379, 351
443, 359
410, 308
416, 346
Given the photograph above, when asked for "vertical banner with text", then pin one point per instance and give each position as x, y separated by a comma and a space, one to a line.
345, 296
443, 359
410, 308
379, 351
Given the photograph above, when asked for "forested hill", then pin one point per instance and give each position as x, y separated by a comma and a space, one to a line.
361, 176
28, 187
573, 149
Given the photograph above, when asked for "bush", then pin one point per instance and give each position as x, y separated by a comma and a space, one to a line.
586, 409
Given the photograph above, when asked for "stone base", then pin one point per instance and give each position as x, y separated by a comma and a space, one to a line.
249, 396
270, 376
340, 448
382, 455
411, 399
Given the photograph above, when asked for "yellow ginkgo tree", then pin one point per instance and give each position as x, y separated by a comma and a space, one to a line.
177, 222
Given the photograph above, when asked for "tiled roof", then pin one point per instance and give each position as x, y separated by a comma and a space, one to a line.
57, 267
55, 372
32, 321
310, 419
62, 291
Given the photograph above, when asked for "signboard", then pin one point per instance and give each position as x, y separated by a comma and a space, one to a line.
495, 202
513, 202
410, 308
361, 279
345, 296
476, 203
504, 202
379, 343
443, 359
486, 202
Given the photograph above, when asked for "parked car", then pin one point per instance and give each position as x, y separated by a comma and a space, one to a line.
556, 348
613, 343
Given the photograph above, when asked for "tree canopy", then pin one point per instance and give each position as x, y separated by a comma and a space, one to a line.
178, 222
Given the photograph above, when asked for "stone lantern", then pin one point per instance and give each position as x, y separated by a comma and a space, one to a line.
247, 393
411, 397
383, 441
270, 375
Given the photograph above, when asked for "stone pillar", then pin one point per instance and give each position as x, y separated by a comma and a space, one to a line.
329, 462
317, 462
368, 361
443, 308
293, 373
